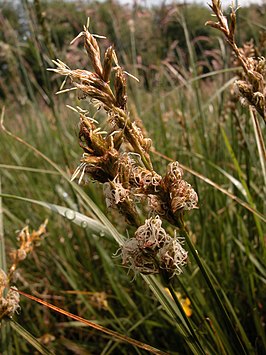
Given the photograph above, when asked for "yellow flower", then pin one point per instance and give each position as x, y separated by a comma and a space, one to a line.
185, 302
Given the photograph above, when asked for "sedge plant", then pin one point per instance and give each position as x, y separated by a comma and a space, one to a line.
117, 154
162, 233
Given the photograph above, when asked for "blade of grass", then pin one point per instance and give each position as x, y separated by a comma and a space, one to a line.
65, 269
2, 239
109, 349
243, 182
233, 313
260, 267
30, 338
72, 215
6, 343
201, 124
27, 168
230, 177
190, 81
109, 332
229, 326
260, 143
172, 310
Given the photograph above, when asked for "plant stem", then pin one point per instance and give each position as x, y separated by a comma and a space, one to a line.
190, 327
231, 329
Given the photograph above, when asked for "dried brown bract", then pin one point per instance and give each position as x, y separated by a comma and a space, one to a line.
27, 241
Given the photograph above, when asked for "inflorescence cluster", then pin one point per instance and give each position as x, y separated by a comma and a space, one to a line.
252, 84
119, 159
9, 297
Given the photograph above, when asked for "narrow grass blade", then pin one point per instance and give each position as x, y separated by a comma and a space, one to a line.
233, 313
72, 215
30, 338
173, 311
231, 178
260, 267
243, 182
6, 344
2, 239
225, 317
260, 144
109, 332
29, 169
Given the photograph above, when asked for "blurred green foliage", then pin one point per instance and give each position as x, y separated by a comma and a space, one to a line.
158, 32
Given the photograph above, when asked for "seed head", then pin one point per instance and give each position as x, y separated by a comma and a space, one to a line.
139, 261
172, 257
12, 299
93, 50
174, 173
9, 304
151, 236
183, 196
157, 205
146, 181
114, 193
153, 249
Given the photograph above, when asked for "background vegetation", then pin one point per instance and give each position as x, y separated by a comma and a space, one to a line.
186, 101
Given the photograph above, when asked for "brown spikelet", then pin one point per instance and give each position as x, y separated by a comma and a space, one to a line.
107, 63
120, 89
93, 51
94, 142
232, 24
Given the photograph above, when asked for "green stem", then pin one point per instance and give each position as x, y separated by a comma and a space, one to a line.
188, 323
2, 240
231, 329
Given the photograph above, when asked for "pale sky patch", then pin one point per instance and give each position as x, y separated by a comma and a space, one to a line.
225, 3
